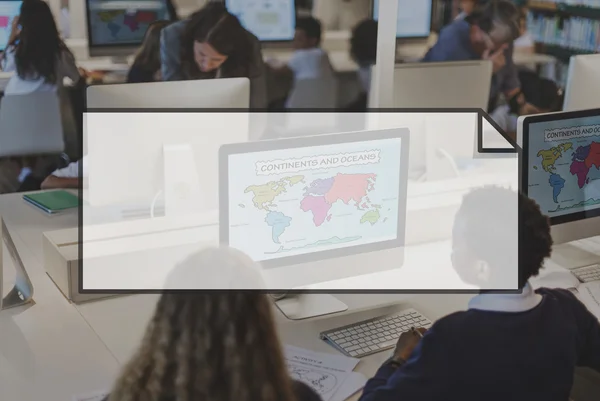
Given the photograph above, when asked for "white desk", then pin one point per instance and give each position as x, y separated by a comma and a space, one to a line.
53, 350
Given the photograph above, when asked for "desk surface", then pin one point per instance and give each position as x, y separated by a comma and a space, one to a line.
53, 350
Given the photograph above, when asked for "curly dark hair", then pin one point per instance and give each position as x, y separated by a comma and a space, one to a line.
363, 43
205, 345
38, 46
214, 25
487, 231
311, 26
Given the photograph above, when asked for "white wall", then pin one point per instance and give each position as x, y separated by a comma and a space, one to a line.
341, 14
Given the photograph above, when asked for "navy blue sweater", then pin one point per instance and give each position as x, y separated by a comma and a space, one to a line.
497, 356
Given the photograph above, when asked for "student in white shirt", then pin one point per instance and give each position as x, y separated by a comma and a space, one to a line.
309, 61
67, 177
36, 53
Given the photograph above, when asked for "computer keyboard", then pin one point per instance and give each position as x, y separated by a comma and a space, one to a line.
374, 335
587, 273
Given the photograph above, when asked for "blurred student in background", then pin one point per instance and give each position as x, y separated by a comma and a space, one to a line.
218, 346
486, 33
40, 61
213, 44
363, 50
146, 65
309, 60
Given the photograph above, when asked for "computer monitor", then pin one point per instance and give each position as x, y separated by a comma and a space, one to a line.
447, 85
316, 209
583, 83
9, 9
140, 139
271, 21
414, 18
116, 28
561, 170
222, 93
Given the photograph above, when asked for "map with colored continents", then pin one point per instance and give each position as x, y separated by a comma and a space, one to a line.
564, 175
305, 200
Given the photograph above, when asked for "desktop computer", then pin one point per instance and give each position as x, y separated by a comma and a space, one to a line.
173, 154
116, 28
316, 209
437, 86
583, 83
561, 172
414, 18
9, 9
271, 21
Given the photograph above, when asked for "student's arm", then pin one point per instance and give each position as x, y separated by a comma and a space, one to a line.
425, 376
54, 182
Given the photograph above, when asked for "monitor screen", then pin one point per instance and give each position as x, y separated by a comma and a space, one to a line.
122, 22
9, 9
562, 164
414, 18
331, 194
268, 20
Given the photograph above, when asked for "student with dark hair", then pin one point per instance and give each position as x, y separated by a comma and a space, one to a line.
213, 44
36, 53
487, 32
542, 93
146, 65
363, 50
309, 60
517, 347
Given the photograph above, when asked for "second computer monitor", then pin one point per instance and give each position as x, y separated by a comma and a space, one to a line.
561, 170
9, 10
116, 28
583, 83
294, 204
271, 21
414, 18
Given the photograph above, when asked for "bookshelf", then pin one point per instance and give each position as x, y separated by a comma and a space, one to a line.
565, 28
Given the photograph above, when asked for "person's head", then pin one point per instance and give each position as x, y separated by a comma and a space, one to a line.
214, 39
497, 229
208, 345
38, 44
542, 93
363, 43
493, 24
308, 33
148, 55
467, 6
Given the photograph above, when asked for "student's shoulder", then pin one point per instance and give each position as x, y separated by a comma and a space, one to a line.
563, 299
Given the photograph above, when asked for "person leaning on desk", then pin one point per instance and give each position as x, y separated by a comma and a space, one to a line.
488, 33
213, 44
517, 347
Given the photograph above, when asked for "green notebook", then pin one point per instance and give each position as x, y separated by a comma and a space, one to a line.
53, 201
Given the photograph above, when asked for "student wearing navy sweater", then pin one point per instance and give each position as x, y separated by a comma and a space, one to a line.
517, 347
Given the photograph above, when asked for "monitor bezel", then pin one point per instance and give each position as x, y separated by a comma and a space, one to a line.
100, 50
274, 42
319, 140
3, 48
524, 182
408, 39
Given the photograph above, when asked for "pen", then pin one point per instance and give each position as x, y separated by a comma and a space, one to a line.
417, 332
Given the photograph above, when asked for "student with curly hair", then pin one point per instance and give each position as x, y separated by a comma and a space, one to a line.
517, 347
211, 346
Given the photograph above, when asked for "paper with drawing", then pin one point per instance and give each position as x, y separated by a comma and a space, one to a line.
324, 373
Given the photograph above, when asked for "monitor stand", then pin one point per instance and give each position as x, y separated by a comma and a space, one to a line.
183, 194
306, 306
22, 291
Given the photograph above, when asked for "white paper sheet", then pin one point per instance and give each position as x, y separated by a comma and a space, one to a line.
353, 384
324, 373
